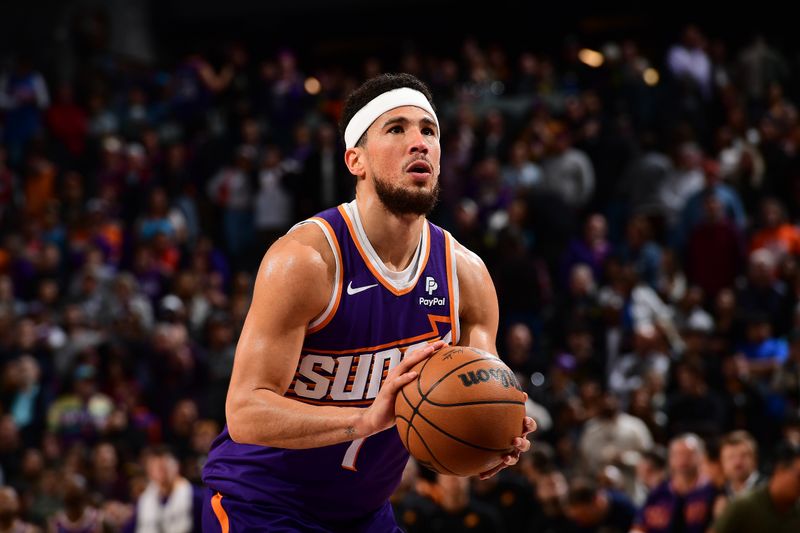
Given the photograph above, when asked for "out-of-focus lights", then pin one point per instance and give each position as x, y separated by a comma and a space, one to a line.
313, 86
593, 58
651, 76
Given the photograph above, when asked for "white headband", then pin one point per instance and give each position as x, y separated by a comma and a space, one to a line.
379, 105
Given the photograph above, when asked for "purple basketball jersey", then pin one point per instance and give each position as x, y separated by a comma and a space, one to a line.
373, 318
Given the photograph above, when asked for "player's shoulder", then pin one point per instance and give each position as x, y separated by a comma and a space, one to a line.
303, 252
469, 263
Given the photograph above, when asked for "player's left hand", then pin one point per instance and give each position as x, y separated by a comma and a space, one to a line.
521, 445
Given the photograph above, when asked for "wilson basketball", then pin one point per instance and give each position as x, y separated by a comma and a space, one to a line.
462, 412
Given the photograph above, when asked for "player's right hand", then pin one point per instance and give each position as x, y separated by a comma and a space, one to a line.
380, 415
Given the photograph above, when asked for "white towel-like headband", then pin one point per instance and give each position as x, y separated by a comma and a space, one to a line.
379, 105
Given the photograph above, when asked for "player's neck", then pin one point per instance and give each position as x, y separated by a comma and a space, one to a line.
395, 238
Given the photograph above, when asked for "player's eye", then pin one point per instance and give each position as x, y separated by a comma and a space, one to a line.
428, 131
396, 129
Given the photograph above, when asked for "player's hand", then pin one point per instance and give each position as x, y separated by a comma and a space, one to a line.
521, 445
380, 415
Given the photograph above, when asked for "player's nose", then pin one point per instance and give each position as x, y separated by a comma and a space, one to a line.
419, 143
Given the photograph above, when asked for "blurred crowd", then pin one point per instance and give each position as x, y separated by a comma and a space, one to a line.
636, 209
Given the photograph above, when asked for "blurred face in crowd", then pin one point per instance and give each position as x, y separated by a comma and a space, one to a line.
772, 213
551, 490
762, 267
581, 280
648, 474
9, 434
609, 405
74, 491
163, 471
519, 341
579, 343
714, 209
596, 228
738, 461
758, 331
29, 371
685, 457
401, 160
105, 456
9, 505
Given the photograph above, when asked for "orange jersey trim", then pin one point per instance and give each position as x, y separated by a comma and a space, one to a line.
448, 261
383, 281
222, 516
430, 335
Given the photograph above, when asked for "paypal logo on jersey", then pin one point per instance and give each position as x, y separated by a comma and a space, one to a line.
430, 285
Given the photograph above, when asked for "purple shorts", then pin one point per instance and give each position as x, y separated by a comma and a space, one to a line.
222, 514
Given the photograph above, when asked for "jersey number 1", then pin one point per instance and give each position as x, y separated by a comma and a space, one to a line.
350, 456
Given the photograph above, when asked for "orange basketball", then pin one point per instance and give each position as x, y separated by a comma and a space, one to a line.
462, 412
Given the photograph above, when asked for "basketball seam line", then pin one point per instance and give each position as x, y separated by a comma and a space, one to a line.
461, 404
413, 413
433, 456
461, 440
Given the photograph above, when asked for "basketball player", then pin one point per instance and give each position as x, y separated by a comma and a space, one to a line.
344, 306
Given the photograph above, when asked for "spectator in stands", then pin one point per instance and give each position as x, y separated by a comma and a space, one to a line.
771, 507
739, 461
10, 513
82, 414
776, 233
763, 291
592, 249
613, 437
169, 502
77, 515
714, 249
651, 470
23, 97
694, 407
458, 510
683, 502
593, 509
551, 499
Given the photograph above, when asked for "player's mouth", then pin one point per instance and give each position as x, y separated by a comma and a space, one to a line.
420, 170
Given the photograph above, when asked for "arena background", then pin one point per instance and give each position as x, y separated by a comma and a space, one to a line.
639, 219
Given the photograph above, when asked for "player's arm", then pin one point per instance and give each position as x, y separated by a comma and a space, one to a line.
293, 286
479, 315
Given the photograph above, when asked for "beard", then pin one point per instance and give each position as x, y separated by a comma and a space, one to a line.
401, 201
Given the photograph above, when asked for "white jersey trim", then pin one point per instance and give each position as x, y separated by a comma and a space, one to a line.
402, 280
334, 293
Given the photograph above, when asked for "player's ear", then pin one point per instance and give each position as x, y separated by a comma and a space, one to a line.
353, 158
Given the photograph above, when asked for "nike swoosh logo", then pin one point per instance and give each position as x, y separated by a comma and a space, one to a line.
351, 291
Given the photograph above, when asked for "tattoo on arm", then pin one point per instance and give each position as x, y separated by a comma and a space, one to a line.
350, 431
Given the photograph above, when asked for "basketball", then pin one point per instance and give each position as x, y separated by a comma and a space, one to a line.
461, 413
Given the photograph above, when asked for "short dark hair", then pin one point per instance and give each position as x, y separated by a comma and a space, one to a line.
373, 88
582, 491
735, 438
657, 456
785, 454
159, 450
